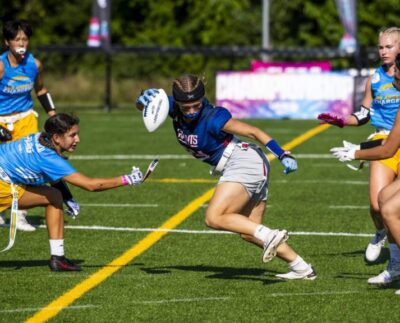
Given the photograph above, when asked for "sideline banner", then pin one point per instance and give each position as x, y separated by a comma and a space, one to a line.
291, 67
295, 96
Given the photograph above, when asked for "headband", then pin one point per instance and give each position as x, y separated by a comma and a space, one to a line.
194, 95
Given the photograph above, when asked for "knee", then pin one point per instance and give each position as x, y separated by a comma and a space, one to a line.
212, 220
389, 213
55, 198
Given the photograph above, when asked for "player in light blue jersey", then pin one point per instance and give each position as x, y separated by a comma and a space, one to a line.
26, 165
20, 73
389, 197
238, 204
380, 104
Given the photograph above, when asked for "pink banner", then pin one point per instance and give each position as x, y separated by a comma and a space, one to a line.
280, 67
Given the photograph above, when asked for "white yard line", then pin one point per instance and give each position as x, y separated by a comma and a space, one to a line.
128, 229
349, 206
175, 156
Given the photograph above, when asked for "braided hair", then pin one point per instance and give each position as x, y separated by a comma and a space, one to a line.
58, 124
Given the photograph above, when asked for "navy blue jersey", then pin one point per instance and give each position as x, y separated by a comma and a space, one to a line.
203, 137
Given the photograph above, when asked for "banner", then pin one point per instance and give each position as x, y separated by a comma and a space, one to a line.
99, 28
292, 96
347, 14
291, 67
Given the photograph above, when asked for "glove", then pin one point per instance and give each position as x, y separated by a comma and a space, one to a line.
347, 144
331, 119
134, 178
145, 98
344, 154
289, 162
72, 209
5, 134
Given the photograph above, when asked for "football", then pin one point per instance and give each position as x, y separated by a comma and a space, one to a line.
155, 113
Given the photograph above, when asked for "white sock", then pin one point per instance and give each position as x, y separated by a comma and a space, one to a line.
262, 233
57, 247
394, 263
299, 264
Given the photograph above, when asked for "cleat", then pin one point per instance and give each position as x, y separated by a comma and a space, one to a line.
384, 278
278, 237
375, 246
397, 292
22, 224
309, 274
2, 218
60, 263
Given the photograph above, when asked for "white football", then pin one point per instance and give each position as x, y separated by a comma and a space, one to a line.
156, 111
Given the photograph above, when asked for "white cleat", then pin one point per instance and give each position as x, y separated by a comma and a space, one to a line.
384, 278
2, 218
309, 274
277, 237
397, 292
22, 223
375, 246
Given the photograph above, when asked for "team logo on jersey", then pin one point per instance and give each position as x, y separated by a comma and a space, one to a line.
375, 78
187, 140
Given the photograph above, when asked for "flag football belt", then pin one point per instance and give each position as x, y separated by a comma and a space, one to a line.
227, 154
14, 208
10, 120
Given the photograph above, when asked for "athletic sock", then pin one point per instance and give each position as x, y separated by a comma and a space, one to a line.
394, 262
262, 233
299, 265
57, 247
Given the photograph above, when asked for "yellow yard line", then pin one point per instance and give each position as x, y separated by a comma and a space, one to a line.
137, 249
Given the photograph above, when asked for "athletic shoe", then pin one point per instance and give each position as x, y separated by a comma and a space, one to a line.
60, 263
2, 218
277, 237
22, 223
309, 274
384, 278
375, 246
397, 292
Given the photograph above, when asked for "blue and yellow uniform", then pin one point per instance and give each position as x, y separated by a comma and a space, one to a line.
27, 162
385, 103
16, 104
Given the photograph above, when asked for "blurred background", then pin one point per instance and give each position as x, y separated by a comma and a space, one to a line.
99, 54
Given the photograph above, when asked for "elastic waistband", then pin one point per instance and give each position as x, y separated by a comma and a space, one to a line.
15, 117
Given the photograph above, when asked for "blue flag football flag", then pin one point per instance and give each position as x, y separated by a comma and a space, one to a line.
347, 14
99, 28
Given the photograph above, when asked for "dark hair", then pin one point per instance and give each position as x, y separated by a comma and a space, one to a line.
397, 61
12, 27
187, 88
58, 124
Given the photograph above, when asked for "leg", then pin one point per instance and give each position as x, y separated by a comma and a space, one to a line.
380, 176
51, 199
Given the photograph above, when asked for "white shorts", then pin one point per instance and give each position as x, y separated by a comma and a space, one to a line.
249, 167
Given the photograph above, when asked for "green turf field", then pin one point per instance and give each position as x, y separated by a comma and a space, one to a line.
193, 274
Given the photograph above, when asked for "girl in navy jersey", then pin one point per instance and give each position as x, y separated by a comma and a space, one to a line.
209, 134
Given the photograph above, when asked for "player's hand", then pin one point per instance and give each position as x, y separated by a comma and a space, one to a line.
72, 209
145, 98
5, 134
289, 162
331, 119
348, 144
344, 154
134, 178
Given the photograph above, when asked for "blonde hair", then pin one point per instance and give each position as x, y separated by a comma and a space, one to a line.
394, 31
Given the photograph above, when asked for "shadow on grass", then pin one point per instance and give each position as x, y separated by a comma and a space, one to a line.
18, 264
253, 274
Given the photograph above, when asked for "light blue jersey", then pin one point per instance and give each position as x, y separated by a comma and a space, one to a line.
386, 100
203, 138
27, 162
17, 84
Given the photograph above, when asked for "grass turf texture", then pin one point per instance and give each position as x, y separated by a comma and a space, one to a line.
203, 277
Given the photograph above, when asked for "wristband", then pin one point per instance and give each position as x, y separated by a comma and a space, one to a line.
46, 102
124, 180
274, 148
